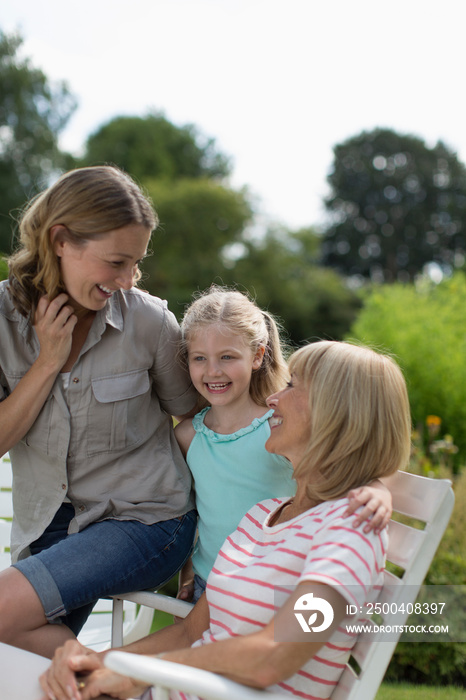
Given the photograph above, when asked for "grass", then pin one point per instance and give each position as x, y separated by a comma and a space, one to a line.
404, 691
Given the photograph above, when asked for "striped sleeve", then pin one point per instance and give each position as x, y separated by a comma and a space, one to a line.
346, 558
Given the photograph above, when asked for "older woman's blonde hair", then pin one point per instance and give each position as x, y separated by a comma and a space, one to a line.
88, 202
360, 423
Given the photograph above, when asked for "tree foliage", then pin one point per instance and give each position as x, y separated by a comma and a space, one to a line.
425, 327
153, 147
281, 272
396, 206
199, 219
33, 111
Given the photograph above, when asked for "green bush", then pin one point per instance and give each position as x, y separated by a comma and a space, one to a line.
424, 327
439, 663
3, 269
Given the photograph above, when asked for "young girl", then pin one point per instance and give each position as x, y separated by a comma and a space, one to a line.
235, 359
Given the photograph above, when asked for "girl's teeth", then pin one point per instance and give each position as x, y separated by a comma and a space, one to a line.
104, 289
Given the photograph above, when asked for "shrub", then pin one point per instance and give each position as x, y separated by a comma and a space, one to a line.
424, 327
3, 269
439, 663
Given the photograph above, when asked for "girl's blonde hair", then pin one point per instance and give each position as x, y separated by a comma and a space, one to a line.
88, 202
234, 310
360, 422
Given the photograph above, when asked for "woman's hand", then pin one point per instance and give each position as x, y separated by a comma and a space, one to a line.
54, 322
377, 502
60, 681
106, 682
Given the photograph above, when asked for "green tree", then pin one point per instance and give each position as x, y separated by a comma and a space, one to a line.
424, 327
199, 219
33, 111
396, 206
153, 147
281, 272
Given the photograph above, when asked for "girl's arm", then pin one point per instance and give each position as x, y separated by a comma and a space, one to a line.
186, 582
377, 502
184, 433
54, 323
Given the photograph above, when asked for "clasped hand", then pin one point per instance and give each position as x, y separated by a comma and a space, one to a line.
78, 673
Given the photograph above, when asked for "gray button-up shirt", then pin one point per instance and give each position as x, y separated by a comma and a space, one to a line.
106, 442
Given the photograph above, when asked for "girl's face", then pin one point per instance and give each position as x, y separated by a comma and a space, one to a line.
290, 423
92, 272
221, 364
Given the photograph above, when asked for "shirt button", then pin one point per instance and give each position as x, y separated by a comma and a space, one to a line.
81, 508
75, 380
63, 487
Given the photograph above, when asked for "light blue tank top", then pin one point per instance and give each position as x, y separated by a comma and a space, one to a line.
231, 474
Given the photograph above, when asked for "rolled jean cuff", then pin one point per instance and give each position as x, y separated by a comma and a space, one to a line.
44, 585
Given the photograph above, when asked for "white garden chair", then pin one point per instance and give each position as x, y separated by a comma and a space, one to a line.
429, 501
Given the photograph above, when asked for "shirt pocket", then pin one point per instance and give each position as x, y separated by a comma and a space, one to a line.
115, 417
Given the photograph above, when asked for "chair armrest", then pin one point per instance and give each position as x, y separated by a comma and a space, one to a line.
166, 674
142, 624
158, 601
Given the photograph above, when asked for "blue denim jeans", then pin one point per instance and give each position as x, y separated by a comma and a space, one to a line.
71, 572
199, 587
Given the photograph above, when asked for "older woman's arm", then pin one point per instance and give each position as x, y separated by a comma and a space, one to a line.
260, 659
274, 653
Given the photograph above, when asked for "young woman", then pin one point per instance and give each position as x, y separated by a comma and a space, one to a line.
88, 380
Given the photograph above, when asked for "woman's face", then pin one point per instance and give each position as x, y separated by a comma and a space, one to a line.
290, 423
92, 272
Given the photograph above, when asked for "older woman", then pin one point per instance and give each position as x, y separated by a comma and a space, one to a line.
343, 420
88, 380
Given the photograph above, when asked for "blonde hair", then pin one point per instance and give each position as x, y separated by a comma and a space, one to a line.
88, 202
360, 422
234, 310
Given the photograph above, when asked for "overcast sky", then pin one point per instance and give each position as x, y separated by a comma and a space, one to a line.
277, 83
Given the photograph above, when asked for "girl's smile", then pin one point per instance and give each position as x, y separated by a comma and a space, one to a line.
221, 364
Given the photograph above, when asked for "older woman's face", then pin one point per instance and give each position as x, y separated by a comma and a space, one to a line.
290, 423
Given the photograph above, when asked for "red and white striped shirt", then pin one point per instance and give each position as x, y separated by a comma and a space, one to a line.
258, 567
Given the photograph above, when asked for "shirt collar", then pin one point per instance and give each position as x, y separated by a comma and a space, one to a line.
111, 313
